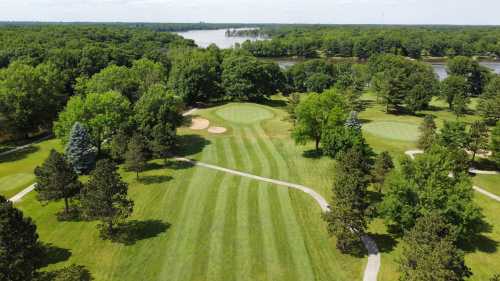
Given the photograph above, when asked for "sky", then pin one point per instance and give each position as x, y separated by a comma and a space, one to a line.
461, 12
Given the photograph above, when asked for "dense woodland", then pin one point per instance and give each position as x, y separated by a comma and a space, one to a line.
115, 95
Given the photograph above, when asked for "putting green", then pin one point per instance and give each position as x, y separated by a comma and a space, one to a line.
244, 113
393, 130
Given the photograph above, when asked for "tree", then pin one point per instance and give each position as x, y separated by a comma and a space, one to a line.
454, 90
104, 197
163, 141
80, 152
195, 75
495, 144
71, 273
423, 186
346, 218
119, 146
476, 75
102, 114
382, 166
56, 179
489, 102
147, 73
20, 251
429, 252
30, 97
453, 135
112, 78
478, 138
312, 114
135, 157
427, 132
353, 121
318, 82
292, 102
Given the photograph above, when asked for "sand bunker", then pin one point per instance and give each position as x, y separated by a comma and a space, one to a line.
199, 124
217, 130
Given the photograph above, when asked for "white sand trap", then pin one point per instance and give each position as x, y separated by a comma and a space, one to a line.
199, 124
217, 130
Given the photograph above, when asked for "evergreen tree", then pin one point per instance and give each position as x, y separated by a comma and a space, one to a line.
353, 121
56, 179
478, 138
346, 218
104, 197
383, 165
119, 146
135, 157
79, 151
427, 133
163, 141
20, 252
495, 144
430, 254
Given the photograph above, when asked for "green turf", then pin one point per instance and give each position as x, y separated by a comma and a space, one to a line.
16, 169
222, 227
244, 113
490, 183
393, 130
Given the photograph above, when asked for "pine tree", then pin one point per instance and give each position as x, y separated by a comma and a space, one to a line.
383, 165
20, 252
163, 140
430, 254
80, 152
104, 197
56, 180
135, 157
427, 133
119, 146
495, 144
346, 218
353, 121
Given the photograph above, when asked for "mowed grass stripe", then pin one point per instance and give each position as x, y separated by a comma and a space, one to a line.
216, 257
279, 266
294, 237
191, 215
257, 254
243, 262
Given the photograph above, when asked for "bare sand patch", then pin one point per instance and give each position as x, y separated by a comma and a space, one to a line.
199, 124
217, 130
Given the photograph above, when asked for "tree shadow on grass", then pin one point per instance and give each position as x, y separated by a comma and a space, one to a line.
484, 164
151, 166
190, 144
274, 103
312, 153
179, 165
385, 242
53, 254
480, 242
154, 179
18, 155
130, 232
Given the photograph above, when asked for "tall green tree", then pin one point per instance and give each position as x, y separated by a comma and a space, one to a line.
382, 166
20, 251
476, 75
102, 114
454, 89
80, 152
56, 179
478, 138
104, 197
454, 135
135, 156
495, 144
112, 78
489, 101
428, 133
347, 215
429, 252
119, 146
423, 186
313, 113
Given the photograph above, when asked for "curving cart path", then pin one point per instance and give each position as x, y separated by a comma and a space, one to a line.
373, 264
412, 154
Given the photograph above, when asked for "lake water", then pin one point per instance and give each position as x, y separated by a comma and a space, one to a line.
203, 38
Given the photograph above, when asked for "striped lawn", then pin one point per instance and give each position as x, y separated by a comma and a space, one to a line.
223, 227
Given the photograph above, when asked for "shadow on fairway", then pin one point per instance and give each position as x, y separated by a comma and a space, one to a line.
312, 153
190, 145
131, 232
480, 242
385, 242
53, 254
179, 165
154, 179
18, 155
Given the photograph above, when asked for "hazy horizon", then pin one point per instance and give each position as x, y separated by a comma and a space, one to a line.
390, 12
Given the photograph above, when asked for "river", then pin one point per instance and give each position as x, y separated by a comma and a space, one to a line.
203, 38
